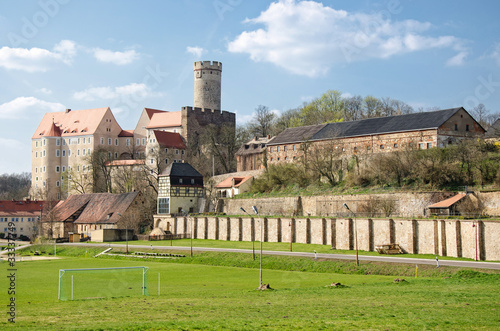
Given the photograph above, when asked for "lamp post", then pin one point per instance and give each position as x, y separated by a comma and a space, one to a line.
170, 228
253, 242
191, 226
355, 232
261, 238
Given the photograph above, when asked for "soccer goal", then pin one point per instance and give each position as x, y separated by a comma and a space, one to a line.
98, 283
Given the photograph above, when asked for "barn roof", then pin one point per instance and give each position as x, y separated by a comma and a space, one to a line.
94, 208
370, 126
449, 202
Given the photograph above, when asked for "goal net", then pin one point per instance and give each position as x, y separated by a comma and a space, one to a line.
98, 283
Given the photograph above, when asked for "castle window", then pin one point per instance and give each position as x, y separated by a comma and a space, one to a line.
36, 143
57, 168
116, 141
116, 155
277, 149
467, 127
166, 150
36, 154
182, 152
429, 145
58, 142
270, 150
355, 148
88, 140
293, 147
456, 127
102, 141
176, 152
83, 151
395, 145
127, 142
284, 148
166, 161
110, 141
421, 146
381, 146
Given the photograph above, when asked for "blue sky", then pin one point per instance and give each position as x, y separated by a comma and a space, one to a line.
125, 54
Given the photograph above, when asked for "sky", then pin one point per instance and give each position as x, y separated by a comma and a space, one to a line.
130, 54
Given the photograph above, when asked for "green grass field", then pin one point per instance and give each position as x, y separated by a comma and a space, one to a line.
197, 296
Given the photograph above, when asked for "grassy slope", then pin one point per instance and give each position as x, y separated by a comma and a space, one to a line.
195, 296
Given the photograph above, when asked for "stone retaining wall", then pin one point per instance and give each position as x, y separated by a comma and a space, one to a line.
458, 238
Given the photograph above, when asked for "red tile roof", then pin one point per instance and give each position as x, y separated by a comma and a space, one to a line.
126, 133
13, 207
165, 120
169, 139
449, 202
233, 182
94, 208
71, 122
151, 111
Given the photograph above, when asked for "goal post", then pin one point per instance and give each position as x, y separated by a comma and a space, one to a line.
97, 283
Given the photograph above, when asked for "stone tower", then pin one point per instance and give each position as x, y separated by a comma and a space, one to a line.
207, 84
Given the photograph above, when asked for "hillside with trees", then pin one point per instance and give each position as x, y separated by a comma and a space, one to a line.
468, 163
14, 186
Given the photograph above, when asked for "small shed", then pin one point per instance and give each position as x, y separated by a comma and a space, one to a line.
447, 207
232, 186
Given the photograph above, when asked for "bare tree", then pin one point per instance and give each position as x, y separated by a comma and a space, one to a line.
263, 121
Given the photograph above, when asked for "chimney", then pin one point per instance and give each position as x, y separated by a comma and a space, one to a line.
67, 110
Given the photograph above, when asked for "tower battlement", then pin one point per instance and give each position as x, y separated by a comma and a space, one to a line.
207, 84
208, 65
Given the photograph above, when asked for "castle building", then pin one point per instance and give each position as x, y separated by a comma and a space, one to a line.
64, 141
377, 135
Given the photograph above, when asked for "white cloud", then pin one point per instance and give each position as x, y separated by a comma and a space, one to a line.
24, 107
37, 59
119, 58
307, 37
458, 59
134, 89
44, 90
196, 51
495, 55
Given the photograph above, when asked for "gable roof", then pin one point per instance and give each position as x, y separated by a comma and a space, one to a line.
233, 182
381, 125
370, 126
14, 207
178, 169
254, 146
449, 202
71, 122
169, 139
165, 119
151, 111
94, 208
